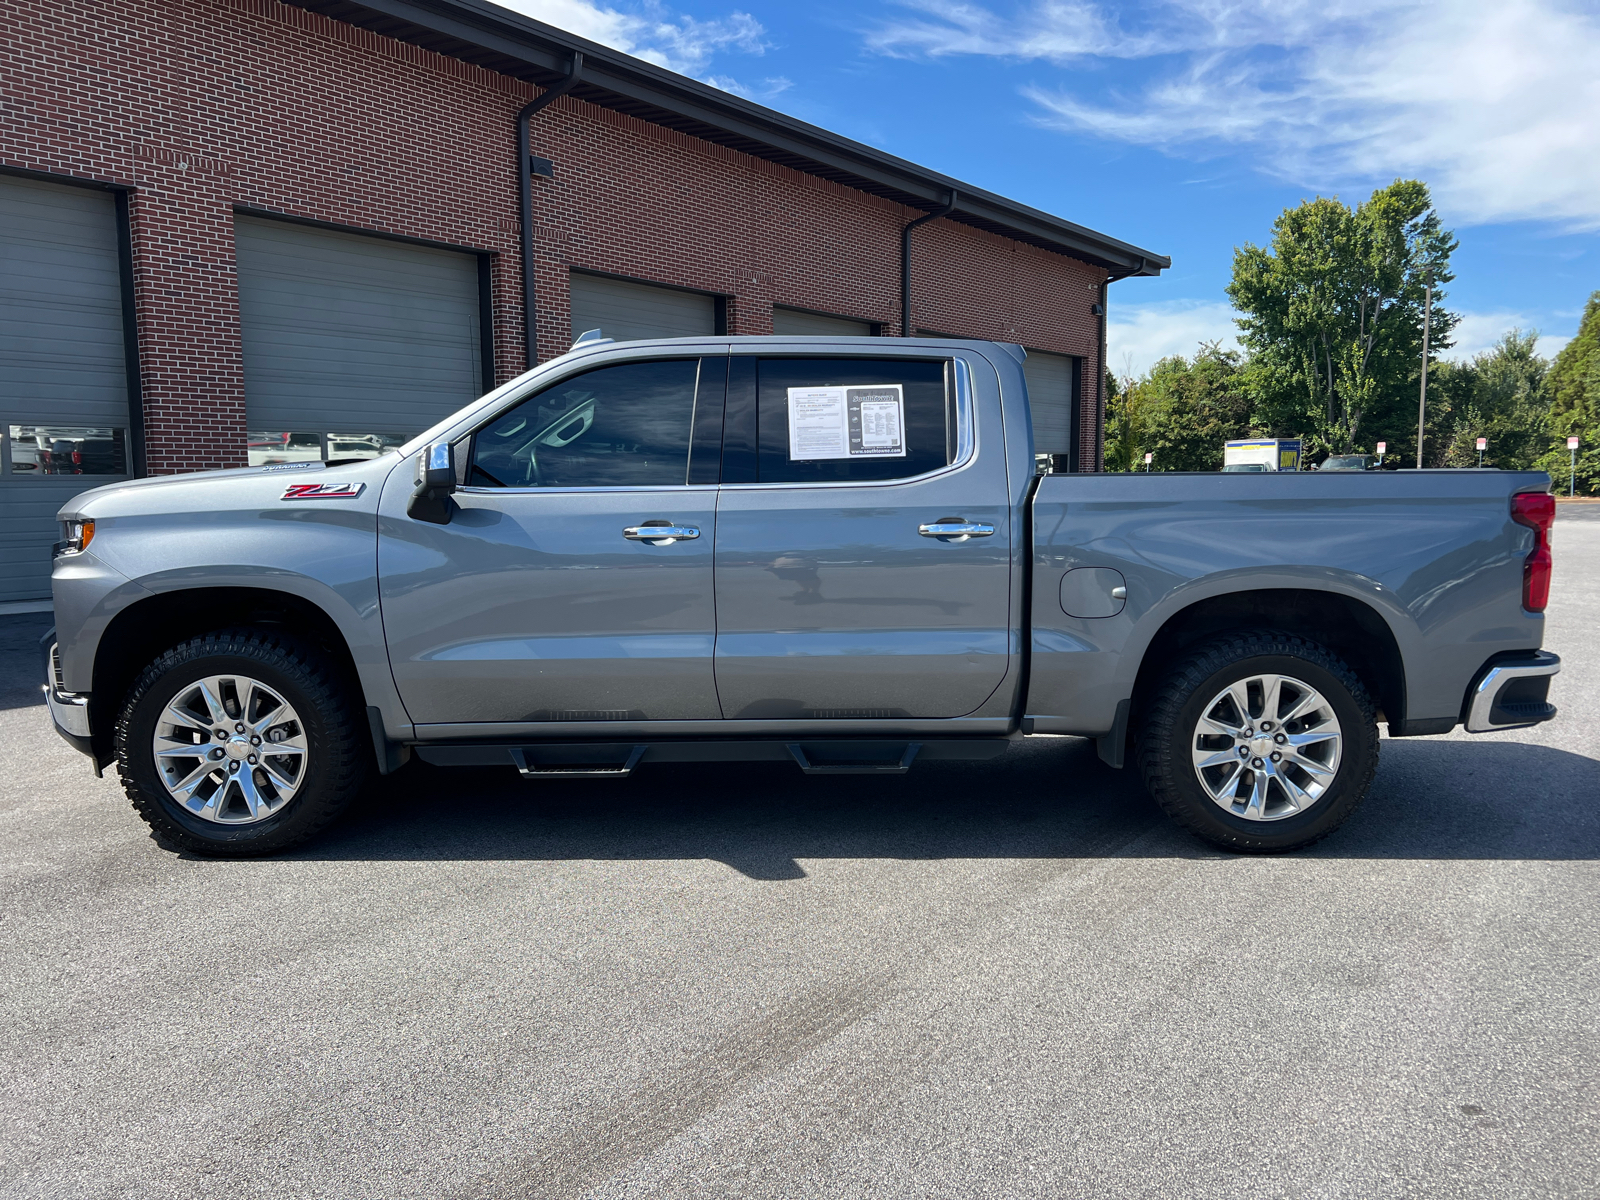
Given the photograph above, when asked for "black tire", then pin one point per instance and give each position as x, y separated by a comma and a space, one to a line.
1166, 739
339, 759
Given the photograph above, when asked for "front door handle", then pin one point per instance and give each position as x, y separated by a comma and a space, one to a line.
662, 533
956, 531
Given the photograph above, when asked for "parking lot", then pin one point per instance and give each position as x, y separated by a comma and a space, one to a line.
1002, 979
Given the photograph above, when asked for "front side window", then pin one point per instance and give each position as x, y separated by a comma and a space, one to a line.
844, 420
628, 425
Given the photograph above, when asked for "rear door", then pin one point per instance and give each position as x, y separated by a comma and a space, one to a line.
547, 599
838, 598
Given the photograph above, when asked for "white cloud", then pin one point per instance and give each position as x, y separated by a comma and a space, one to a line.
679, 43
1478, 332
1140, 335
768, 88
1496, 103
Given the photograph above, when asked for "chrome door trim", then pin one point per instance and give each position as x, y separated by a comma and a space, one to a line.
956, 531
665, 534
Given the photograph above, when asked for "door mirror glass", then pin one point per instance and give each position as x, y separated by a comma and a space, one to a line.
627, 425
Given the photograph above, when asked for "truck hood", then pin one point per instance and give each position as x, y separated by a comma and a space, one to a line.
231, 489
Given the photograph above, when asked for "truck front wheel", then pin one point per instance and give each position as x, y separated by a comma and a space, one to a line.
1260, 742
238, 743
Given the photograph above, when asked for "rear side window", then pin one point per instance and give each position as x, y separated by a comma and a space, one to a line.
629, 425
844, 420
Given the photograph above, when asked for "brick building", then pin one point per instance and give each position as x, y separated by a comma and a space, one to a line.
235, 229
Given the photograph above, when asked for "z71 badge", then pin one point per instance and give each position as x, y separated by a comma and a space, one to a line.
322, 491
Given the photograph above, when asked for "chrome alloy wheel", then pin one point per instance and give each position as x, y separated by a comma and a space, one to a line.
1267, 747
230, 749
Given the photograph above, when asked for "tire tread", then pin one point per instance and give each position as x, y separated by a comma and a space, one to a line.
343, 764
1155, 744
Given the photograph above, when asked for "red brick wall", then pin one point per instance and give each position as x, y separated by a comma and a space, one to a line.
204, 104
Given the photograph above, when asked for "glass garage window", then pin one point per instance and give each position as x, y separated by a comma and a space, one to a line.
266, 447
40, 450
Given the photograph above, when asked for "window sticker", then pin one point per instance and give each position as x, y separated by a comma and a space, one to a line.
847, 422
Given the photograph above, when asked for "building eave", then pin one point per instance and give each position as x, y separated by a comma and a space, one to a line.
500, 40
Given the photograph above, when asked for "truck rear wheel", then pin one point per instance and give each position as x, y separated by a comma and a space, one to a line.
1260, 742
239, 743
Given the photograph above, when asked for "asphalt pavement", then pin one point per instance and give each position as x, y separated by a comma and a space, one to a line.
1010, 979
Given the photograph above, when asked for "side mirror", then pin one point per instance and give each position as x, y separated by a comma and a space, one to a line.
436, 479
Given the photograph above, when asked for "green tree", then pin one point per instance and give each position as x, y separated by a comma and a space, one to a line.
1574, 388
1332, 314
1180, 411
1125, 424
1499, 395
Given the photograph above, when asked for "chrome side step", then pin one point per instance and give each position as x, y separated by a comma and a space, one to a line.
534, 770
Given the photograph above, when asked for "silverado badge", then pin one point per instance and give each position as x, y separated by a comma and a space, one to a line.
322, 491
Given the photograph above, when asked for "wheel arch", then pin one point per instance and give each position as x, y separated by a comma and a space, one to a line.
1350, 628
142, 630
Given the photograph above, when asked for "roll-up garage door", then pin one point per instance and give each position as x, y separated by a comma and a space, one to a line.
63, 378
627, 311
794, 320
1051, 387
351, 343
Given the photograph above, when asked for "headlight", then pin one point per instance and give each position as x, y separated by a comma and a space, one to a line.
76, 537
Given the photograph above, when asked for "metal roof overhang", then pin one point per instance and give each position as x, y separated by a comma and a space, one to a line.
507, 42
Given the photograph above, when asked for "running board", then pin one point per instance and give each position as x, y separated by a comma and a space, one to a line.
533, 770
889, 767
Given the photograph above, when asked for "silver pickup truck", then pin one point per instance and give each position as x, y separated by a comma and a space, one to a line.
836, 552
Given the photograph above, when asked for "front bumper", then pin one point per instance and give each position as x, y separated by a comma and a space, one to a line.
1510, 692
69, 711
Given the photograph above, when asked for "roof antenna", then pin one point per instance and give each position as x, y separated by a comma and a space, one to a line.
590, 337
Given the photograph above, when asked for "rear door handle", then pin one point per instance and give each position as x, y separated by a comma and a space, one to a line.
660, 535
956, 531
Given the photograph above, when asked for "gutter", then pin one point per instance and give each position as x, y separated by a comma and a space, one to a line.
530, 324
1100, 384
501, 40
905, 261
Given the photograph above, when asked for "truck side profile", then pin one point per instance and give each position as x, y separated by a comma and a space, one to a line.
835, 552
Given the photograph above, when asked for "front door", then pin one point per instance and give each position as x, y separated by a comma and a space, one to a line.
547, 598
838, 596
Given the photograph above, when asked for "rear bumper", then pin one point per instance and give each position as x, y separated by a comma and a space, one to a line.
1509, 693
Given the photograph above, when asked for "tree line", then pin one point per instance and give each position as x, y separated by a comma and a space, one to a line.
1331, 329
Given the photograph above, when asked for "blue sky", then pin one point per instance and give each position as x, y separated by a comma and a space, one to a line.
1186, 127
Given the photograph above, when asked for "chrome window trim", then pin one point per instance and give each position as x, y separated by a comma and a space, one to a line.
575, 491
966, 445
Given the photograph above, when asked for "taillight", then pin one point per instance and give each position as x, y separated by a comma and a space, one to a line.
1536, 510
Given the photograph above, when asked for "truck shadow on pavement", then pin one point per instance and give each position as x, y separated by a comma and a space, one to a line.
1051, 799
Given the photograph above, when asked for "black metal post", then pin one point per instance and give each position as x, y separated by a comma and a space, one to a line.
525, 189
905, 261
